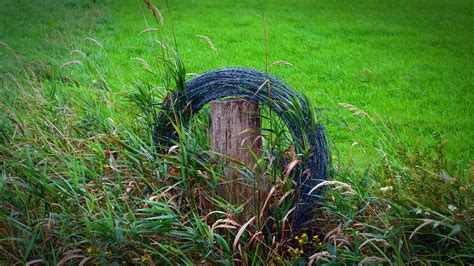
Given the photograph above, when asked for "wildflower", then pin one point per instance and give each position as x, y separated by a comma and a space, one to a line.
452, 208
145, 259
300, 241
304, 237
89, 250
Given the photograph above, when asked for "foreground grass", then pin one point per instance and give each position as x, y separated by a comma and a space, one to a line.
81, 180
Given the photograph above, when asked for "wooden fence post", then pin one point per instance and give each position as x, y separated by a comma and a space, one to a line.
235, 127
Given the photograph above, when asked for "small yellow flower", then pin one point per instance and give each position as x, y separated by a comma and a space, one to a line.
145, 258
300, 241
89, 250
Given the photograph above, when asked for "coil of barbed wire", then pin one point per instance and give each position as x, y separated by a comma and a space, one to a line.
307, 133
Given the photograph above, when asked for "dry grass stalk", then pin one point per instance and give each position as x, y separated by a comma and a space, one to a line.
333, 182
267, 81
425, 223
73, 62
356, 111
241, 231
154, 11
290, 167
69, 255
96, 42
265, 205
34, 262
144, 63
281, 62
371, 260
284, 221
148, 30
81, 53
280, 201
224, 223
85, 260
214, 212
332, 233
324, 256
211, 44
371, 240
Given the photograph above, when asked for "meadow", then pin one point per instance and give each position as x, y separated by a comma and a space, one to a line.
80, 83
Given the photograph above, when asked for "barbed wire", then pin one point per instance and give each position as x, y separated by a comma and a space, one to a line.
294, 110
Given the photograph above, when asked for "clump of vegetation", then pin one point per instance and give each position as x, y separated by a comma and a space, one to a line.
81, 181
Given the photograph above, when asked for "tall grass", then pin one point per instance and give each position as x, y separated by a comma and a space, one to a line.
82, 182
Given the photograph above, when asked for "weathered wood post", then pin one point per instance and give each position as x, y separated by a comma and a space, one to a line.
235, 128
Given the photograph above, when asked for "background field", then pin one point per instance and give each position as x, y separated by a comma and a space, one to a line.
409, 62
81, 181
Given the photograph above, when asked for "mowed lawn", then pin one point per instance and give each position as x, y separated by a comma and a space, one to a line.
408, 62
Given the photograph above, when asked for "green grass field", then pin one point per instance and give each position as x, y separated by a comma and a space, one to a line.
69, 69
